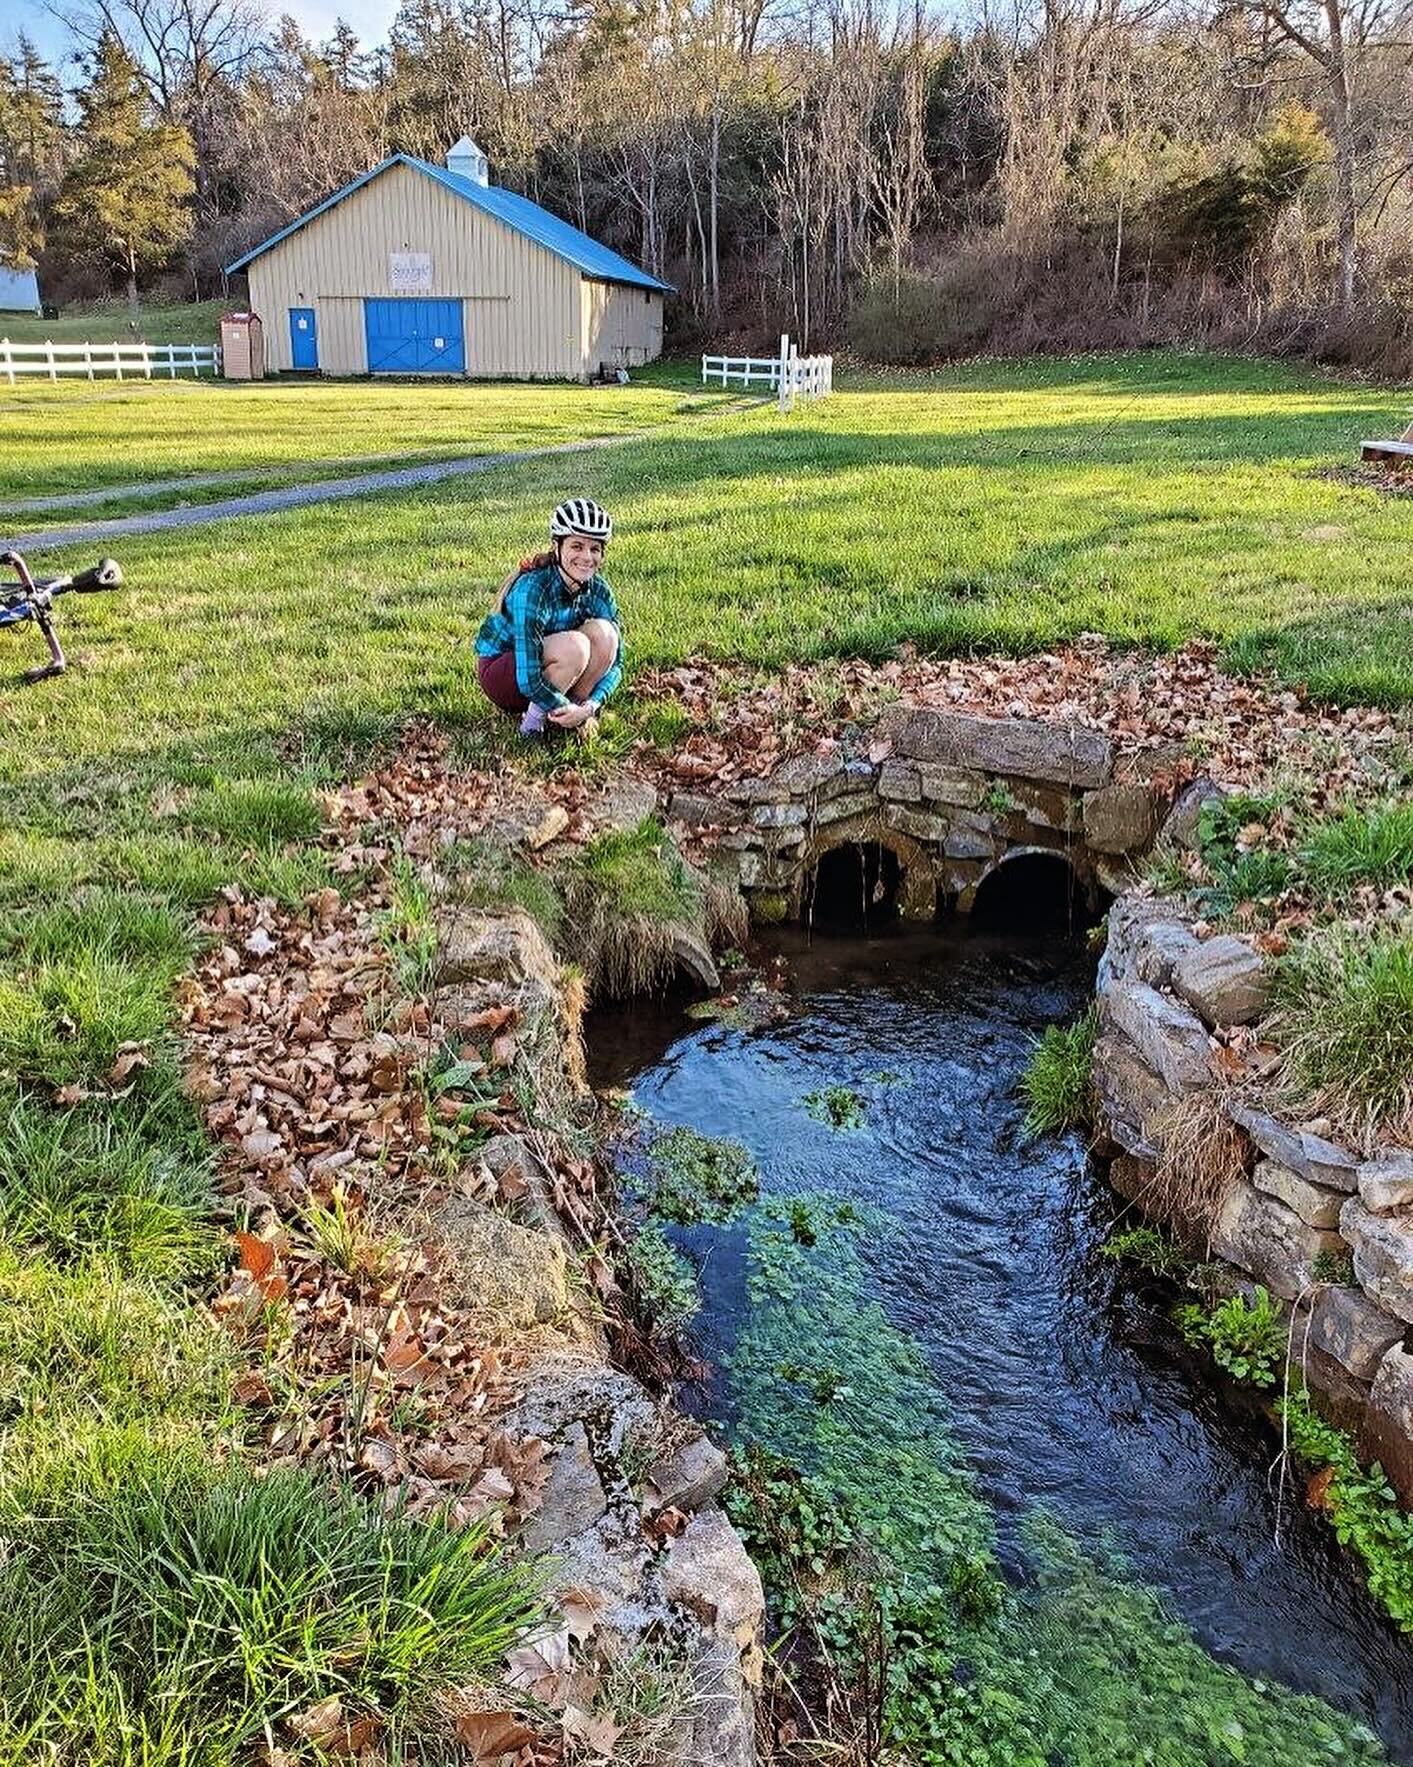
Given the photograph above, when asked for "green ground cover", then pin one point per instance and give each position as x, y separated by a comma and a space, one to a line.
106, 322
249, 662
1003, 505
82, 435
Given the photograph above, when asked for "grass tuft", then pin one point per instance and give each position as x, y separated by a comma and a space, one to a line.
491, 876
1344, 1016
254, 812
64, 1021
632, 896
75, 1187
1057, 1082
192, 1615
1363, 846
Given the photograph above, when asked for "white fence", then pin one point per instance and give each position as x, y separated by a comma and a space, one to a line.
127, 361
791, 374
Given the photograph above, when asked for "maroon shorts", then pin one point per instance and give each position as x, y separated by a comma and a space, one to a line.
497, 677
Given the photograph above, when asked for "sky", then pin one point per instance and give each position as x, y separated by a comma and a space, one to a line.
316, 18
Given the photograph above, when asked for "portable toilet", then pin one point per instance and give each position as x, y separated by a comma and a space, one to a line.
242, 346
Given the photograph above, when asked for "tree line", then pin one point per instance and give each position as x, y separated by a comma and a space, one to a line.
1038, 174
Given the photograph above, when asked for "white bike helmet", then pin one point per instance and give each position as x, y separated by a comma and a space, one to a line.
582, 516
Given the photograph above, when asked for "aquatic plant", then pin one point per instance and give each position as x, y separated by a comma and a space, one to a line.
878, 1559
839, 1106
664, 1278
694, 1178
1057, 1083
1361, 1504
1246, 1338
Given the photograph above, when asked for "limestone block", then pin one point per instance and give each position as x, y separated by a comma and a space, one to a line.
1316, 1160
1316, 1206
779, 816
1035, 805
899, 781
564, 1388
862, 803
1145, 940
699, 811
923, 825
709, 1572
1269, 1241
688, 1478
1180, 826
573, 1495
1386, 1181
1388, 1423
949, 785
722, 1712
1225, 980
1120, 818
505, 947
1131, 1096
623, 802
1383, 1255
1170, 1038
512, 1274
1346, 1325
803, 775
1068, 754
968, 843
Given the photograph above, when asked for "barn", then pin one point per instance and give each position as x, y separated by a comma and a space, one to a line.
416, 268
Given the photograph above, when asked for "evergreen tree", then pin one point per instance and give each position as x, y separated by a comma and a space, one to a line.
128, 193
31, 146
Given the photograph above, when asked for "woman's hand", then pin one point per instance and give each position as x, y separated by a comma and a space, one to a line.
571, 717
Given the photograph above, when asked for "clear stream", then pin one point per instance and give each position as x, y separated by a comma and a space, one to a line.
1028, 1370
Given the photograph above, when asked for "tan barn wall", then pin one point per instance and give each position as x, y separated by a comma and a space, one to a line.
521, 308
622, 325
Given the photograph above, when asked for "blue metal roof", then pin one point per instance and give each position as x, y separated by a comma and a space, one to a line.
517, 212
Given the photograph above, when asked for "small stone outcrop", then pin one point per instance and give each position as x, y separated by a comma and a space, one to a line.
1328, 1231
952, 796
650, 1555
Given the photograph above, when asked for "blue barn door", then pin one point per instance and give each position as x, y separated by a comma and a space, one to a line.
414, 337
303, 338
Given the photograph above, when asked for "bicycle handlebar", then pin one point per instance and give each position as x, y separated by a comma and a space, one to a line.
103, 575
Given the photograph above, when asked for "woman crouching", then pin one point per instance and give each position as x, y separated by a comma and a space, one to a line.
551, 649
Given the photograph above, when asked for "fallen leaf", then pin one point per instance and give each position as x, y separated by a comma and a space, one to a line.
600, 1732
318, 1723
581, 1608
256, 1255
132, 1057
665, 1525
261, 1144
259, 943
489, 1735
503, 1050
538, 1668
253, 1389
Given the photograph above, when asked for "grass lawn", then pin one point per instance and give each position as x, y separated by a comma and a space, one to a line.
999, 505
995, 505
106, 322
81, 436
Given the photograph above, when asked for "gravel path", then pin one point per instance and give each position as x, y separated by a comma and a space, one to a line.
238, 475
297, 496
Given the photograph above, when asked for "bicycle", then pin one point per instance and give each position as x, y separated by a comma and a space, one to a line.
31, 600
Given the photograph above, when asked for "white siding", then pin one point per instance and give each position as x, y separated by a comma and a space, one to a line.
522, 309
622, 325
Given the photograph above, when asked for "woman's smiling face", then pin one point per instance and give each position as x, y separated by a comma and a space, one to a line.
580, 558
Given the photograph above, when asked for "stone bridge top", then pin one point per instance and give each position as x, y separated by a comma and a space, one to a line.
951, 795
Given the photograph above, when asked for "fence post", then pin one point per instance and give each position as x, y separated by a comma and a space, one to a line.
8, 359
49, 358
117, 361
782, 373
171, 363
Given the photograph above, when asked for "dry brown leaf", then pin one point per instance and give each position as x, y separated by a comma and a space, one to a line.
257, 1256
581, 1609
540, 1667
317, 1724
598, 1731
490, 1735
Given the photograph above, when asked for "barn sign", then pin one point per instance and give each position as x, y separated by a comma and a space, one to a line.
410, 272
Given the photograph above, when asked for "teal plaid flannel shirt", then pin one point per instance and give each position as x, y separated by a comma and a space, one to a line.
536, 604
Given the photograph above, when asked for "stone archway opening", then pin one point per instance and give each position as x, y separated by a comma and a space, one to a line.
1033, 891
853, 887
